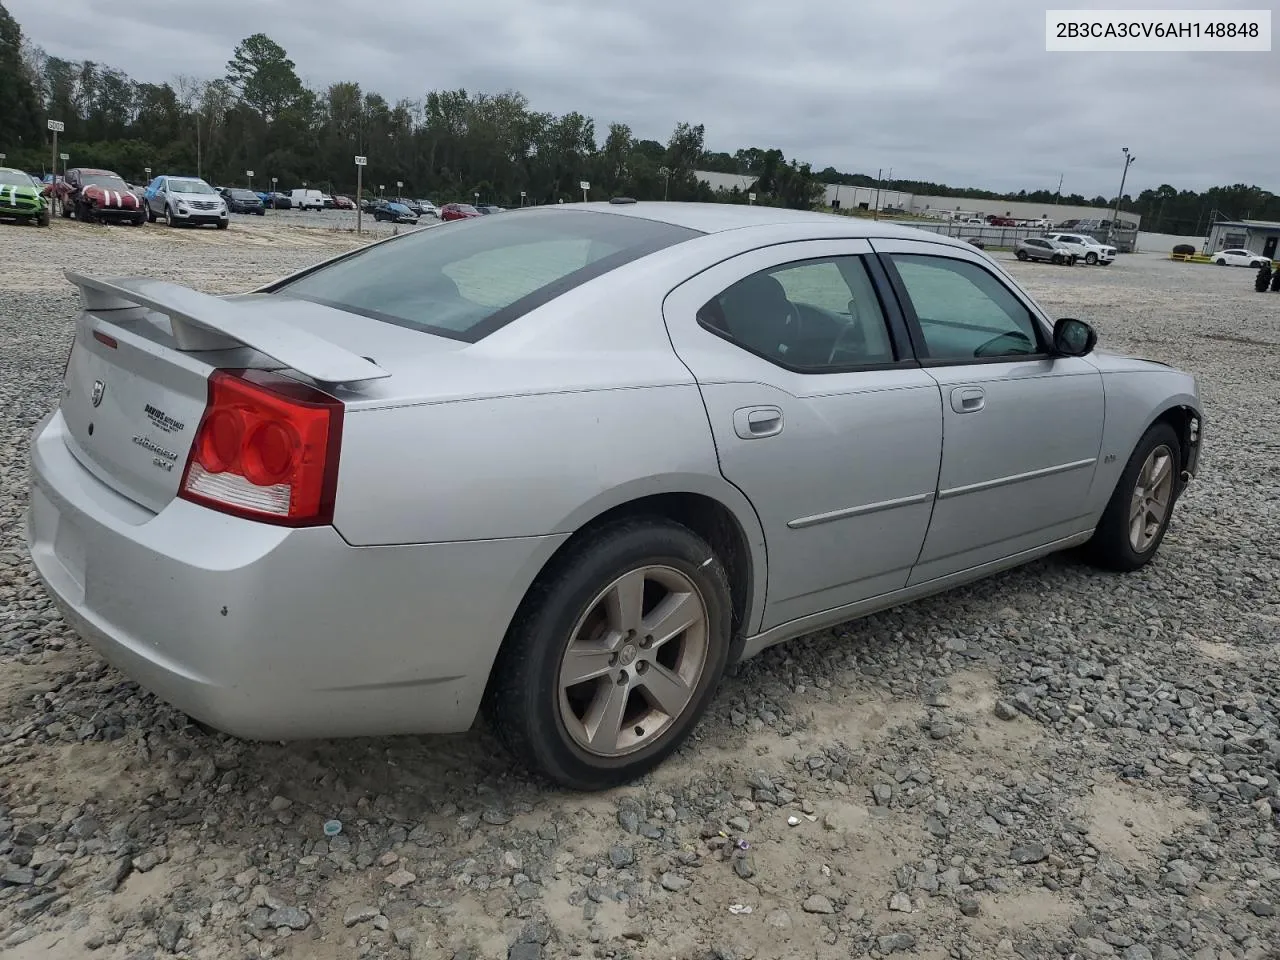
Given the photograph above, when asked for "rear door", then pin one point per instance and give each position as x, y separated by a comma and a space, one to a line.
820, 416
1022, 428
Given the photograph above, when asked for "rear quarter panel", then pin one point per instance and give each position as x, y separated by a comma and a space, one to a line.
574, 409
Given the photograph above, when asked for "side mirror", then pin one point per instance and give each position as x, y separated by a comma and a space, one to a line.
1073, 338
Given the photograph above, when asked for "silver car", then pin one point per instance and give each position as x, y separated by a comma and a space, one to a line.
1044, 248
185, 200
566, 465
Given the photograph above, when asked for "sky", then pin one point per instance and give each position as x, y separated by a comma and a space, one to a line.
954, 91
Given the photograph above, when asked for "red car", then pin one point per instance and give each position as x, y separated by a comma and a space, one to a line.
99, 195
343, 203
459, 211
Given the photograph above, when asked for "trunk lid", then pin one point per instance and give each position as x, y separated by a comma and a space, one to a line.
136, 383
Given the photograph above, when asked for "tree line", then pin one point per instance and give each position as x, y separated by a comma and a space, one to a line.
451, 144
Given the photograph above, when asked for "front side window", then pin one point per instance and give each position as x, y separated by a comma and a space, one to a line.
469, 280
965, 313
813, 316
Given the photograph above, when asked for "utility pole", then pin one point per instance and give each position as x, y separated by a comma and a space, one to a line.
1115, 219
879, 182
1058, 198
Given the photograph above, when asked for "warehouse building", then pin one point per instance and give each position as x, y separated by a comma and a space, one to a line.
1256, 236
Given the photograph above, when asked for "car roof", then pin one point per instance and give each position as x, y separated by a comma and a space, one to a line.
719, 217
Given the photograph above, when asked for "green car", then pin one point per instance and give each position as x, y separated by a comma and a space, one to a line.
21, 198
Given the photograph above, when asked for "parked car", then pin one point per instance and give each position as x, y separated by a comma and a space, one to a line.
185, 201
593, 530
1042, 248
278, 201
459, 211
99, 195
1086, 248
307, 199
344, 203
22, 198
1239, 257
406, 202
394, 212
243, 201
489, 208
428, 208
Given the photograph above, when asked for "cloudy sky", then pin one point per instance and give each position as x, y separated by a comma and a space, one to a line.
957, 91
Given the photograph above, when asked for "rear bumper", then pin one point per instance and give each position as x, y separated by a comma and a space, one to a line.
266, 632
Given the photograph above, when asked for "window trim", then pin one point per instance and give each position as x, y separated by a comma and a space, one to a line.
894, 322
919, 344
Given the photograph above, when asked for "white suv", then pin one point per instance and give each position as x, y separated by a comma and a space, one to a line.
1089, 249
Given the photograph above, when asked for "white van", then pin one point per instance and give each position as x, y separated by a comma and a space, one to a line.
307, 199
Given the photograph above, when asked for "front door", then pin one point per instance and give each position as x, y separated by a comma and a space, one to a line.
819, 416
1022, 429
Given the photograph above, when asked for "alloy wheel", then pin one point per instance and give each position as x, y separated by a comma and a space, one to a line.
1152, 498
634, 661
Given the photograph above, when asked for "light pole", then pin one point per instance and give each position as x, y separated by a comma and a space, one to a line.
249, 174
274, 181
665, 173
1115, 219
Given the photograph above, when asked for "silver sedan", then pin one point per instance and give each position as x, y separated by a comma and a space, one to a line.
564, 465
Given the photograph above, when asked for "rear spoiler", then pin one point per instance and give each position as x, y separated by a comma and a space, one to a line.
204, 322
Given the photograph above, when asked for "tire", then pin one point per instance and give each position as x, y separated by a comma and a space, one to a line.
151, 214
1221, 262
539, 722
223, 224
1091, 259
1112, 546
170, 218
1021, 254
1056, 258
43, 219
82, 212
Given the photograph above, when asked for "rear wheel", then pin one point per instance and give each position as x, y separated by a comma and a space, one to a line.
1221, 262
151, 214
614, 654
1137, 516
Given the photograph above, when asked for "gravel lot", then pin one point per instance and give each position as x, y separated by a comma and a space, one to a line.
1054, 762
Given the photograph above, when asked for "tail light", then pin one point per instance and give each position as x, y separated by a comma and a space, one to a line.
266, 449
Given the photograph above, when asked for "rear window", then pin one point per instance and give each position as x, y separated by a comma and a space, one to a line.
468, 278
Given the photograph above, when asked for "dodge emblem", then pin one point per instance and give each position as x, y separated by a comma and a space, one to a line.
99, 388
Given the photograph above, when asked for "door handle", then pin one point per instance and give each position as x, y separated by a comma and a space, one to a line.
753, 423
968, 399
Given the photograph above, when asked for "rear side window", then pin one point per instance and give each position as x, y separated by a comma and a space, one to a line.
465, 279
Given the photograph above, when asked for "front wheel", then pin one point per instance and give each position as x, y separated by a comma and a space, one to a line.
1021, 254
1091, 259
614, 654
43, 219
222, 224
1137, 516
170, 217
